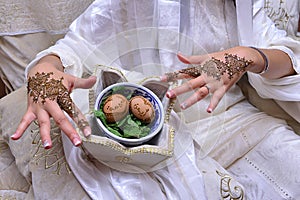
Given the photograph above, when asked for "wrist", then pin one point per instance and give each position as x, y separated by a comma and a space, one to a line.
53, 60
47, 64
264, 68
252, 54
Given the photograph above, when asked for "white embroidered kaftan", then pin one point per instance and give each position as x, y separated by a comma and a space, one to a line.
236, 141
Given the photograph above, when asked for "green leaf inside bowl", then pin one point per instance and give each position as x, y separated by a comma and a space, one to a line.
128, 127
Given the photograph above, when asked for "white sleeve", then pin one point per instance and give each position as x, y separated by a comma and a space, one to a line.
267, 35
79, 43
121, 33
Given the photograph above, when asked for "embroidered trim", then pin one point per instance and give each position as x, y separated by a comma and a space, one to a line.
269, 178
229, 191
53, 158
279, 16
7, 197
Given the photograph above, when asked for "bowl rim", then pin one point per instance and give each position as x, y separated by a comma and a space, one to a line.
129, 140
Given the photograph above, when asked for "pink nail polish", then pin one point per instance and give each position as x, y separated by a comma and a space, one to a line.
170, 94
209, 110
87, 132
13, 137
183, 106
76, 142
46, 144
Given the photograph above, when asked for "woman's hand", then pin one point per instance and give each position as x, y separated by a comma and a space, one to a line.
49, 96
213, 74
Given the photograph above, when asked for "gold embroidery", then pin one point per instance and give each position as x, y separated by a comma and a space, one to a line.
99, 67
278, 15
53, 158
226, 190
3, 146
7, 197
130, 151
123, 159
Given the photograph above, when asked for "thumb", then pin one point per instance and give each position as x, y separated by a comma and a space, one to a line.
85, 83
190, 59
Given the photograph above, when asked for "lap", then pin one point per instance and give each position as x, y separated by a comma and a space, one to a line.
46, 171
275, 163
271, 163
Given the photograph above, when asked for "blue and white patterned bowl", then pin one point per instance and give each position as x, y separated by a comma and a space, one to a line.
135, 89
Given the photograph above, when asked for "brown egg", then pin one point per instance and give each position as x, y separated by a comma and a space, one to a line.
115, 108
142, 109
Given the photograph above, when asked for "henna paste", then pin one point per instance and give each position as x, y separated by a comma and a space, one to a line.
215, 68
82, 124
172, 76
42, 87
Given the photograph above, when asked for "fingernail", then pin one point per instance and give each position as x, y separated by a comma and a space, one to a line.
183, 106
76, 142
163, 78
209, 110
170, 94
46, 144
87, 131
13, 136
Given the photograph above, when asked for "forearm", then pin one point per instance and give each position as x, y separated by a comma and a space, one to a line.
269, 63
279, 64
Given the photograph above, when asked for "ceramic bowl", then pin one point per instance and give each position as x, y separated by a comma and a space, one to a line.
135, 90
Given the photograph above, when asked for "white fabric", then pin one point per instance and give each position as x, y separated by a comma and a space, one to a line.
17, 51
268, 36
244, 11
145, 36
285, 14
28, 27
165, 183
256, 164
30, 16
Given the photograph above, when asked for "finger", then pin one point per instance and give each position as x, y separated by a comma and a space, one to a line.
23, 125
63, 123
66, 104
190, 59
82, 82
186, 87
216, 97
81, 121
197, 96
172, 76
44, 124
191, 72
